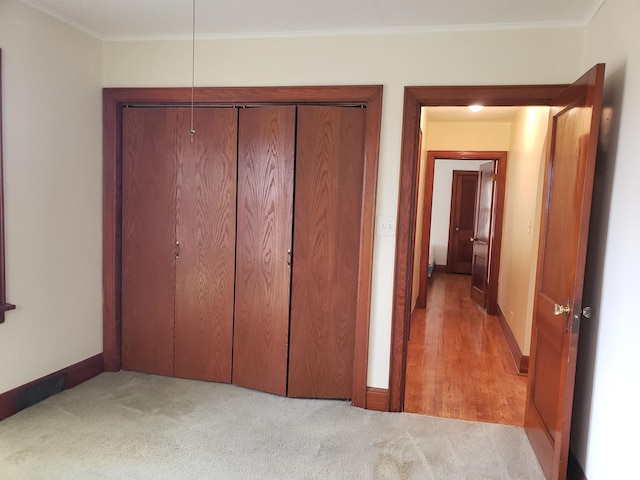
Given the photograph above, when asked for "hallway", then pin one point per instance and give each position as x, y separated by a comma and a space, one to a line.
458, 362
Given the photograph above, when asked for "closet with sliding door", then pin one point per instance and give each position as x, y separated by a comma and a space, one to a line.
240, 244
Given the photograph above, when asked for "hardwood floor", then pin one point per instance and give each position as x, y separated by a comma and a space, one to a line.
458, 362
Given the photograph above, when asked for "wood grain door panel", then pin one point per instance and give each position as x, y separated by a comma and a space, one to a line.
205, 230
328, 204
148, 238
266, 143
563, 242
482, 234
463, 202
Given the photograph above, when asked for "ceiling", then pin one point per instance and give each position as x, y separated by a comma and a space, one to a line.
129, 19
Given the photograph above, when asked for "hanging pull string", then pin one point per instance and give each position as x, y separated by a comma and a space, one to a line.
192, 131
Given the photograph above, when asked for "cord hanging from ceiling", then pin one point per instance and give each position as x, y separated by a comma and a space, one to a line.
192, 130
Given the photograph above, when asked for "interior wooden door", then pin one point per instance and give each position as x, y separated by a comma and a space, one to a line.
482, 234
148, 238
266, 143
573, 139
205, 248
328, 204
463, 206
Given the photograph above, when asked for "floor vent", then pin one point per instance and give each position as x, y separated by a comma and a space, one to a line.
32, 395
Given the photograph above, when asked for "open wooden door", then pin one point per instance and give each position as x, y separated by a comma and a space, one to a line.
463, 207
571, 155
482, 234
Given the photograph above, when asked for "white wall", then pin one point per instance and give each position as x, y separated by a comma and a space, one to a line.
394, 60
52, 79
441, 204
606, 417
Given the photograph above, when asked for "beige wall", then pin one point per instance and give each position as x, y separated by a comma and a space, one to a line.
468, 136
417, 254
52, 79
521, 227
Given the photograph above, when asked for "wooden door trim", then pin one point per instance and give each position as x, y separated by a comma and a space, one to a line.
414, 99
4, 306
114, 99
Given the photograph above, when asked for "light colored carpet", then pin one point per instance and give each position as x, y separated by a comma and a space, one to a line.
134, 426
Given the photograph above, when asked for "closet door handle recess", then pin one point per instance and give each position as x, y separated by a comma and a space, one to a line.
289, 258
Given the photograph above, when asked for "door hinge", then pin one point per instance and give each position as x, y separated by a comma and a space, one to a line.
575, 325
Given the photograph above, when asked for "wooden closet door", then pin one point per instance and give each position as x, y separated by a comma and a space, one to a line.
148, 238
205, 231
328, 204
266, 138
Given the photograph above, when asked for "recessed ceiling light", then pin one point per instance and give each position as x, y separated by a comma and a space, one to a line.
476, 108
